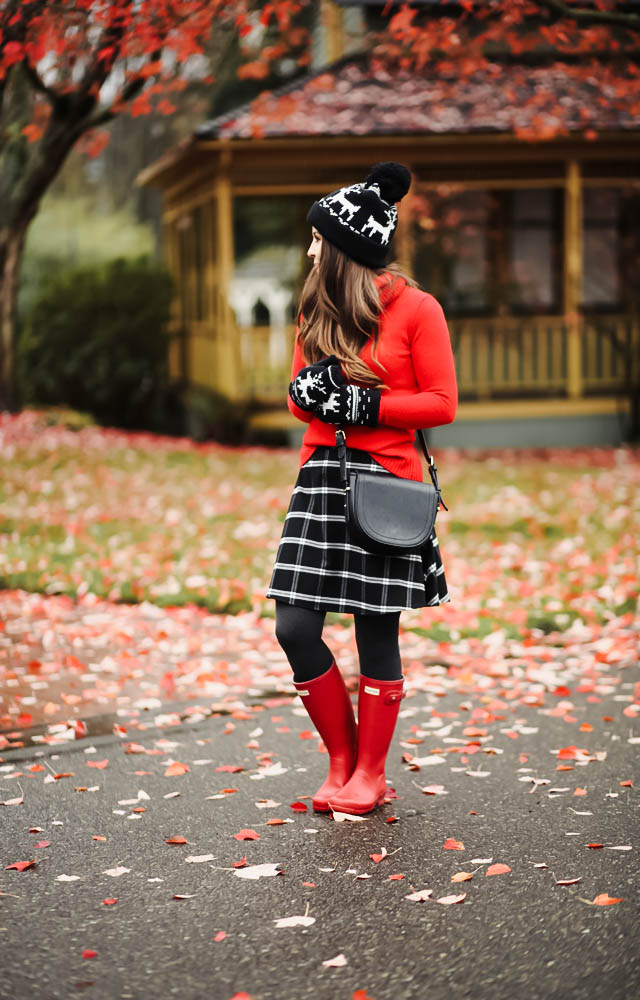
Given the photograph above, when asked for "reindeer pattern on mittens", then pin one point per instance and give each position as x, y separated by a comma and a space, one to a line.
307, 387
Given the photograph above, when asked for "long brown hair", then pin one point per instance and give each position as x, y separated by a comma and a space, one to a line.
340, 309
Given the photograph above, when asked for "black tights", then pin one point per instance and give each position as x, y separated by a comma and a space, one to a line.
299, 632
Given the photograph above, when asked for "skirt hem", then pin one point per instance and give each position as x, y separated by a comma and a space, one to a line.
368, 609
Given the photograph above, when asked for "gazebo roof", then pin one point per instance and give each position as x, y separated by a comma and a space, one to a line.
352, 98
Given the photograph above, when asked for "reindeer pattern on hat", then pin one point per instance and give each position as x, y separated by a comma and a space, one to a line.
346, 212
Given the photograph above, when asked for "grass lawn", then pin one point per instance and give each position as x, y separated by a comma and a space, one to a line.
531, 540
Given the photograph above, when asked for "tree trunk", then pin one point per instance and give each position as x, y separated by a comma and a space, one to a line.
26, 172
11, 250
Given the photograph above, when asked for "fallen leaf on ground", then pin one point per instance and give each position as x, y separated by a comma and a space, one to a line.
176, 768
257, 871
453, 845
337, 962
13, 802
301, 921
420, 895
605, 900
452, 899
378, 857
245, 834
498, 869
176, 840
434, 790
462, 877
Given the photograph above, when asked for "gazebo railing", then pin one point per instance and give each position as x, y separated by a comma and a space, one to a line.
497, 358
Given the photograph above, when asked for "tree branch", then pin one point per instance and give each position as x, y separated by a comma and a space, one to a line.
582, 15
99, 69
39, 84
132, 89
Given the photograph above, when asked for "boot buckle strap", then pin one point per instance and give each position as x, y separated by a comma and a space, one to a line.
393, 697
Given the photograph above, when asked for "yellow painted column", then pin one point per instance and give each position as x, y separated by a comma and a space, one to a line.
177, 332
403, 239
573, 275
227, 378
332, 17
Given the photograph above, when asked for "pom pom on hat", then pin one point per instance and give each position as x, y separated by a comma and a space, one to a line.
392, 179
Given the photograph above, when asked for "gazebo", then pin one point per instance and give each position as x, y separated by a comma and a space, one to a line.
532, 245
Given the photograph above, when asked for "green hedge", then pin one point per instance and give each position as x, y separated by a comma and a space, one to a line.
95, 339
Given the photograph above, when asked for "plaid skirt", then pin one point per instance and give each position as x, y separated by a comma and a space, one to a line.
317, 566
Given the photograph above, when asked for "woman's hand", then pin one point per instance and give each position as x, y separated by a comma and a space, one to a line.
314, 384
352, 405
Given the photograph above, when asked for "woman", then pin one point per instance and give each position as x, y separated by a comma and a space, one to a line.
372, 355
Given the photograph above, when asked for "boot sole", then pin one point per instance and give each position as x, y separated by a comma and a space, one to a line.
359, 810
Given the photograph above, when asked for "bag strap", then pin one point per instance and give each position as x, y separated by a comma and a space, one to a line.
341, 445
433, 471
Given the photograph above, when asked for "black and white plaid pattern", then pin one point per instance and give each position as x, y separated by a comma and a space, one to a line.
318, 567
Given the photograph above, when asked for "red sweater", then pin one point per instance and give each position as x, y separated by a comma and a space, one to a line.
415, 349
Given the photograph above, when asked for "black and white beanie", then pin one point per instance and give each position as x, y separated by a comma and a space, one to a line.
361, 219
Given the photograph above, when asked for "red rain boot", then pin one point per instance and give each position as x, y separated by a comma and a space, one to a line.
378, 707
327, 701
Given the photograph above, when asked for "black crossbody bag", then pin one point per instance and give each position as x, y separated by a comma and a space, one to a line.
387, 514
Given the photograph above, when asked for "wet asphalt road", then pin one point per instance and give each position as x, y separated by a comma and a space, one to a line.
516, 935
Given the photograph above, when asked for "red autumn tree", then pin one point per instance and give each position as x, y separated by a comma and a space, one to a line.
590, 41
68, 67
